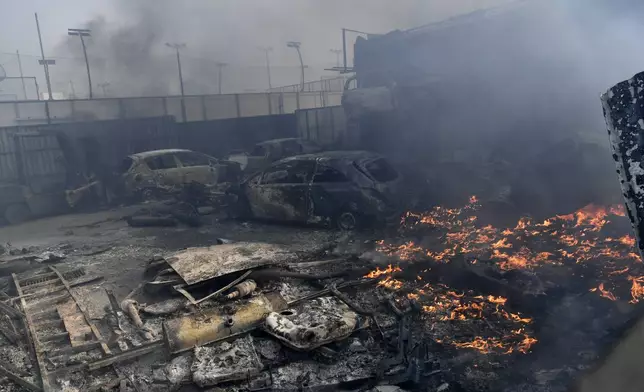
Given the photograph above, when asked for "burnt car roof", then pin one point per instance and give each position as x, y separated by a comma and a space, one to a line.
337, 156
154, 153
286, 139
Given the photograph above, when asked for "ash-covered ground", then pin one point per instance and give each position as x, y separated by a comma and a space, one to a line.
537, 327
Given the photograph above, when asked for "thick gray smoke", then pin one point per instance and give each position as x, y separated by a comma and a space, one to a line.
129, 51
510, 97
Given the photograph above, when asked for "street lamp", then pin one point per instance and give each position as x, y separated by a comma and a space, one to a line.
268, 64
296, 45
337, 52
84, 33
176, 47
220, 68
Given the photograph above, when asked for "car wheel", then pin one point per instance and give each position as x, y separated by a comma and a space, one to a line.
347, 221
17, 213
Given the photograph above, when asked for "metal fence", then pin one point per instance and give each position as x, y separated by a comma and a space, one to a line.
330, 85
183, 109
325, 126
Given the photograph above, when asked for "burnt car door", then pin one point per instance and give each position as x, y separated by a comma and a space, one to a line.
281, 193
331, 193
196, 167
165, 171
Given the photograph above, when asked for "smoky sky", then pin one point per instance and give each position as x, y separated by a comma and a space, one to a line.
127, 48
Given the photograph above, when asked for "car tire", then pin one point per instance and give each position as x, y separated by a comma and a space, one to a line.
17, 213
347, 221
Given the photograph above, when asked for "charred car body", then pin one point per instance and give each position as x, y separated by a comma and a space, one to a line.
156, 172
345, 189
269, 151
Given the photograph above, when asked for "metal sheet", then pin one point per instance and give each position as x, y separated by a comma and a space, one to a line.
196, 265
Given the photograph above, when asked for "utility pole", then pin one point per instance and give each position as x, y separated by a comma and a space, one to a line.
337, 52
220, 67
296, 45
266, 50
44, 62
102, 86
22, 76
84, 33
176, 47
71, 84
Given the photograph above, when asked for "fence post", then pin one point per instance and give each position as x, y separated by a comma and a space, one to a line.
16, 109
203, 107
183, 108
270, 104
47, 111
122, 112
281, 103
165, 106
297, 99
238, 105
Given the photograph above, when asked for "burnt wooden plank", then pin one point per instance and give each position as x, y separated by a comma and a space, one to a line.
95, 330
12, 374
34, 338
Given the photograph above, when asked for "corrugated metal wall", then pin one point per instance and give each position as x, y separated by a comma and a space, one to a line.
220, 137
8, 163
325, 126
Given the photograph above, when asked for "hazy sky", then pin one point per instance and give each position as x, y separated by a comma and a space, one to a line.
214, 30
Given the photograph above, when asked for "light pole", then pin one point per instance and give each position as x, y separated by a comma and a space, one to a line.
84, 33
176, 47
22, 76
102, 86
267, 50
45, 63
337, 52
220, 67
296, 45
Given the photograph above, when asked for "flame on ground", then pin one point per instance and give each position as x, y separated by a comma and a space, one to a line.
562, 241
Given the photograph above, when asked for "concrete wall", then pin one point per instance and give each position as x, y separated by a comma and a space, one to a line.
197, 107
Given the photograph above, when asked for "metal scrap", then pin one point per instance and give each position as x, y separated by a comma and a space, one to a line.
214, 324
196, 265
242, 289
314, 324
225, 361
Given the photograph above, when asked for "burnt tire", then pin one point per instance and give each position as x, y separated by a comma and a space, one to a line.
17, 213
347, 221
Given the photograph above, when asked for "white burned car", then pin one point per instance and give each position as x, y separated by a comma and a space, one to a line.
167, 169
155, 173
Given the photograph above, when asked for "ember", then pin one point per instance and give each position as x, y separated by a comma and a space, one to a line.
567, 242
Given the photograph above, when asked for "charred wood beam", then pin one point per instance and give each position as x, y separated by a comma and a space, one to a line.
88, 320
127, 355
12, 374
37, 349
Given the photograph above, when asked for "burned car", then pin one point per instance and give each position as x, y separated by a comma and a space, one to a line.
269, 151
151, 173
345, 189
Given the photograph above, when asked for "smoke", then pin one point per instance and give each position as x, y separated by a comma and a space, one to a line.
509, 99
128, 49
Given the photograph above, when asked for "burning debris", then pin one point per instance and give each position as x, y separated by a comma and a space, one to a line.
576, 242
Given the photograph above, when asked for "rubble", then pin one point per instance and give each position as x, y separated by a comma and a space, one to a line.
313, 324
216, 324
225, 361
